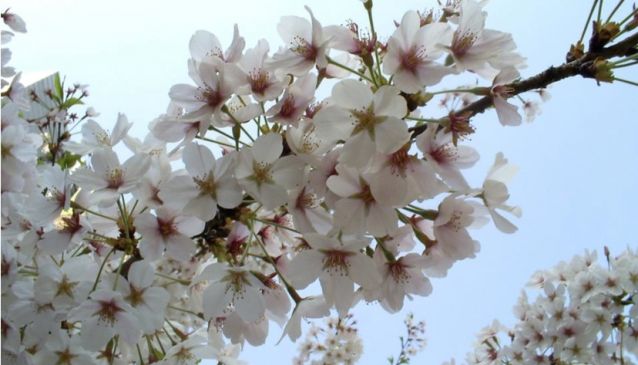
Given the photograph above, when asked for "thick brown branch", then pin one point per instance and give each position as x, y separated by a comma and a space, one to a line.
581, 66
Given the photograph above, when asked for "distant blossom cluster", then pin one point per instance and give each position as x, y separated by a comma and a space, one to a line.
337, 342
250, 201
584, 314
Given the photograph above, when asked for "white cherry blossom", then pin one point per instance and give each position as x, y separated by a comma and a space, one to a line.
209, 183
103, 316
338, 265
170, 231
367, 121
412, 52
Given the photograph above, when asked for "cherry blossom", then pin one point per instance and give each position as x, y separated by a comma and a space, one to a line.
306, 45
338, 265
107, 178
412, 52
210, 183
104, 315
264, 174
368, 121
480, 50
232, 285
168, 231
446, 158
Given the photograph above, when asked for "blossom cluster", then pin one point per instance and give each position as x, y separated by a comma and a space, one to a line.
584, 313
251, 200
338, 343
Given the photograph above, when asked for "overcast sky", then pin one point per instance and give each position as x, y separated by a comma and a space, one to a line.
578, 172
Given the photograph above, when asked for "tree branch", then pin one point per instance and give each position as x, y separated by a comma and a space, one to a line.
581, 66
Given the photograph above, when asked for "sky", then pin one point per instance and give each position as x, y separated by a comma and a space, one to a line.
578, 172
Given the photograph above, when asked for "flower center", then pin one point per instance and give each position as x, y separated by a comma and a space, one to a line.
115, 178
261, 173
207, 185
444, 154
136, 297
211, 97
398, 272
166, 227
70, 224
336, 262
102, 138
288, 107
303, 48
365, 120
108, 311
65, 287
65, 357
412, 59
259, 81
306, 200
456, 222
400, 160
461, 43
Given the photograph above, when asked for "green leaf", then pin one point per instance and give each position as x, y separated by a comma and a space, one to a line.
59, 92
71, 102
68, 160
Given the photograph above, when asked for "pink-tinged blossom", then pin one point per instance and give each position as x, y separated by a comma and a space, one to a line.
264, 175
304, 142
480, 50
277, 301
189, 352
367, 121
205, 47
45, 208
235, 286
238, 330
319, 176
364, 205
67, 285
62, 349
309, 307
294, 102
351, 39
69, 230
446, 158
507, 113
401, 278
236, 239
359, 210
169, 231
17, 93
263, 85
148, 301
306, 45
174, 126
104, 315
402, 172
450, 229
214, 86
107, 179
412, 52
306, 210
209, 183
14, 21
338, 265
495, 193
19, 148
238, 111
95, 137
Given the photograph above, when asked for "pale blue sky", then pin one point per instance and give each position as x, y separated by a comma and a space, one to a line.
578, 172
